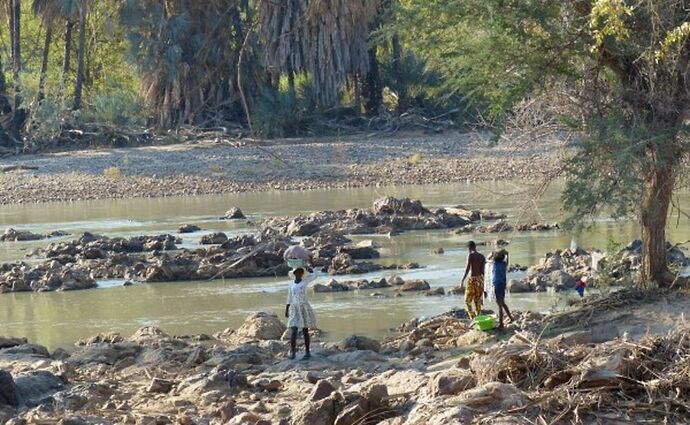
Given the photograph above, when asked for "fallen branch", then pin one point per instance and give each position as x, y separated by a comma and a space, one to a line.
240, 261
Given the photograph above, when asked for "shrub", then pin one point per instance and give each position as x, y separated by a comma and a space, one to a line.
112, 173
117, 106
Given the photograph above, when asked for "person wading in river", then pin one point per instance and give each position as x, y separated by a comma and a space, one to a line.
475, 285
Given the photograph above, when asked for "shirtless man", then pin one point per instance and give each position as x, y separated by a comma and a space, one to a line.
475, 285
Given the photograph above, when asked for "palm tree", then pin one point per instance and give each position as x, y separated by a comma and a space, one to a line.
328, 40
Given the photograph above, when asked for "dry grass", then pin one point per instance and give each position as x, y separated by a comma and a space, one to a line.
113, 173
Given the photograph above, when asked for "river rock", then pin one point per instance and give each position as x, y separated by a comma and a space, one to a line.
8, 390
188, 228
406, 206
415, 285
360, 253
8, 341
34, 386
396, 280
234, 213
322, 412
323, 388
12, 235
332, 286
261, 326
75, 280
562, 280
492, 396
214, 239
517, 286
159, 385
358, 342
219, 379
451, 382
436, 292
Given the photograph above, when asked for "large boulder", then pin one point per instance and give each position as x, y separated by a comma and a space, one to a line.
415, 285
406, 206
562, 280
261, 326
517, 286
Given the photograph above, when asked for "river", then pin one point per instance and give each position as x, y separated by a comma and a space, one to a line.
59, 319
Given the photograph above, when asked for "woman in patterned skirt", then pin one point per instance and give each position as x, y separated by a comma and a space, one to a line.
298, 311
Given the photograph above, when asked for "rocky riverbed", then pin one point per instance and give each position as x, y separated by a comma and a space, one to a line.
434, 371
212, 167
79, 263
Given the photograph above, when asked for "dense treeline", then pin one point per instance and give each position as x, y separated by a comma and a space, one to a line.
279, 68
613, 76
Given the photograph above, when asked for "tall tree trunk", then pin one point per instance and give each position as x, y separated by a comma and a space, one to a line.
44, 64
656, 199
403, 101
80, 57
68, 54
358, 93
373, 88
17, 67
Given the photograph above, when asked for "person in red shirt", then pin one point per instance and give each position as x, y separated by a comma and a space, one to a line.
580, 286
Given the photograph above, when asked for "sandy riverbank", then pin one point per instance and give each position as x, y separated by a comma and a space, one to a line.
212, 167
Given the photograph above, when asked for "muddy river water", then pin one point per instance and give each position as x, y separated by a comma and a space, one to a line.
60, 318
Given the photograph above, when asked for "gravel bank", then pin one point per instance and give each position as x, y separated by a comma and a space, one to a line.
212, 167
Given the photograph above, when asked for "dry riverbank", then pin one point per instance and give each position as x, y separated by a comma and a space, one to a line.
212, 167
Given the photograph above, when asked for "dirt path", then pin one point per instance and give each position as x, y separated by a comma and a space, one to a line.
210, 167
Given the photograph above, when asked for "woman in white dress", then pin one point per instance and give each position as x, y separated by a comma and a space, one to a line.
298, 311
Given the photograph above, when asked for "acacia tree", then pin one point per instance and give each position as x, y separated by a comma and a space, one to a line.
626, 66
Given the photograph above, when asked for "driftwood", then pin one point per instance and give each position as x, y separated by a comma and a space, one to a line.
240, 261
9, 168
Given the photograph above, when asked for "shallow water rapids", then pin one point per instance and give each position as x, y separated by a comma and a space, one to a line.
59, 319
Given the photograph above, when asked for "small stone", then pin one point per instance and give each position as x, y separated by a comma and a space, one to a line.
158, 385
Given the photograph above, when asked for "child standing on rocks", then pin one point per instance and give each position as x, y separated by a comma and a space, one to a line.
500, 281
298, 311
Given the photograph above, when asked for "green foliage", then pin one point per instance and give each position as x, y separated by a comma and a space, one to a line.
278, 113
117, 106
606, 170
613, 271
